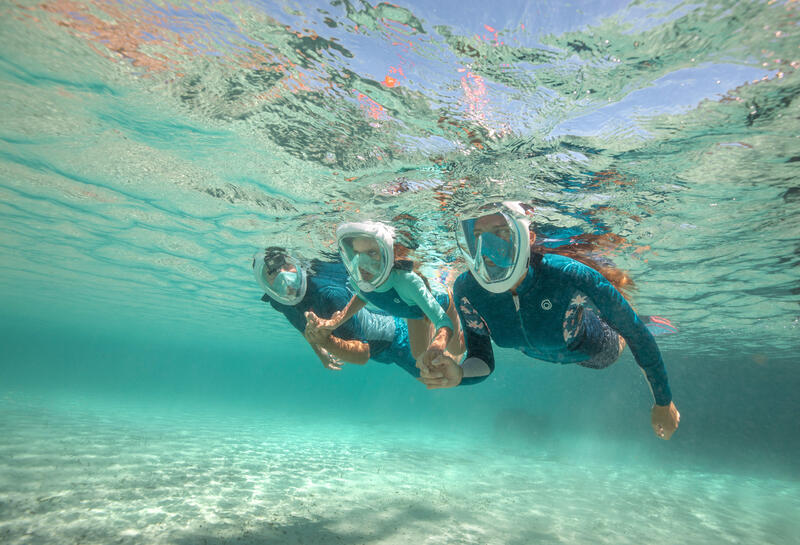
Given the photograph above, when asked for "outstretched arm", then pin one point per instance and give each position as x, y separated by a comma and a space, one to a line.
411, 287
352, 351
479, 361
616, 311
339, 317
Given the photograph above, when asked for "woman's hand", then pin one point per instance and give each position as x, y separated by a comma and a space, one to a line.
443, 372
664, 419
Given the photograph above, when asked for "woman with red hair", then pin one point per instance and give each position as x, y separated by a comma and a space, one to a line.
548, 306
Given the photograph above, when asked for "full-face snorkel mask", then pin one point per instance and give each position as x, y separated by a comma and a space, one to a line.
280, 275
495, 243
367, 250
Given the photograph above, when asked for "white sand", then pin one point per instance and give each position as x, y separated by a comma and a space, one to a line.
79, 477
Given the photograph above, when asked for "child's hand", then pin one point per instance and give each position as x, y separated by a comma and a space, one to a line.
335, 321
435, 350
445, 373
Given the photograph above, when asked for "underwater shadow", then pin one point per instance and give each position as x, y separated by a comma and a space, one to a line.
535, 433
373, 526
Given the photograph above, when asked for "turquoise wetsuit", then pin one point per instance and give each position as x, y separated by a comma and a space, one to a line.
405, 295
326, 293
556, 291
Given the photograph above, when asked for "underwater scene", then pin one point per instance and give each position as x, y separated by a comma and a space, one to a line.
453, 272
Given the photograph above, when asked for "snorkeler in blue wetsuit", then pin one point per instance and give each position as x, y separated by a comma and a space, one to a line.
380, 275
550, 307
301, 290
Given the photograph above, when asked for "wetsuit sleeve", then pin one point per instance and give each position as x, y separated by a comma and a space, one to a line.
479, 361
618, 314
412, 288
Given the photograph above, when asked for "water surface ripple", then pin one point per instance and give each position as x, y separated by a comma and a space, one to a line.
147, 148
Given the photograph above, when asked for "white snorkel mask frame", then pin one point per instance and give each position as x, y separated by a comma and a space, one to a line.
383, 234
517, 219
300, 286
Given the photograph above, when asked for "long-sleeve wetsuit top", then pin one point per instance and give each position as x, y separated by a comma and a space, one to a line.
326, 293
405, 295
554, 286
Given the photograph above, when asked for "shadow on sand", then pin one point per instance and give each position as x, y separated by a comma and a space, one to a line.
356, 526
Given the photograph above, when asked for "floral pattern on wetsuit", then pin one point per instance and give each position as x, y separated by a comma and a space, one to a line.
573, 318
539, 328
471, 318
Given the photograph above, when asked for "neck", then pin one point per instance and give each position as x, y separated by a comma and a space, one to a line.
515, 286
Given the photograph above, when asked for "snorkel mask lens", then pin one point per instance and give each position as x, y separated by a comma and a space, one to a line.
495, 245
369, 265
281, 276
285, 283
367, 250
491, 237
496, 249
366, 262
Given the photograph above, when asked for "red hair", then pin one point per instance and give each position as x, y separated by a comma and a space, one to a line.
585, 249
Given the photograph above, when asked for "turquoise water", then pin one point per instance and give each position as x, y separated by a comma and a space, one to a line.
148, 149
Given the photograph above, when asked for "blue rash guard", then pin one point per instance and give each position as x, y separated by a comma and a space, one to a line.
326, 293
551, 289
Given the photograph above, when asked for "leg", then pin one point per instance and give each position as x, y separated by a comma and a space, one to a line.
420, 333
612, 346
586, 332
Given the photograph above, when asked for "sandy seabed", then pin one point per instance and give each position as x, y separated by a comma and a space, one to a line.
70, 476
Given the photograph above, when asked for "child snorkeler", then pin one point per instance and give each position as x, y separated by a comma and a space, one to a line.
381, 274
